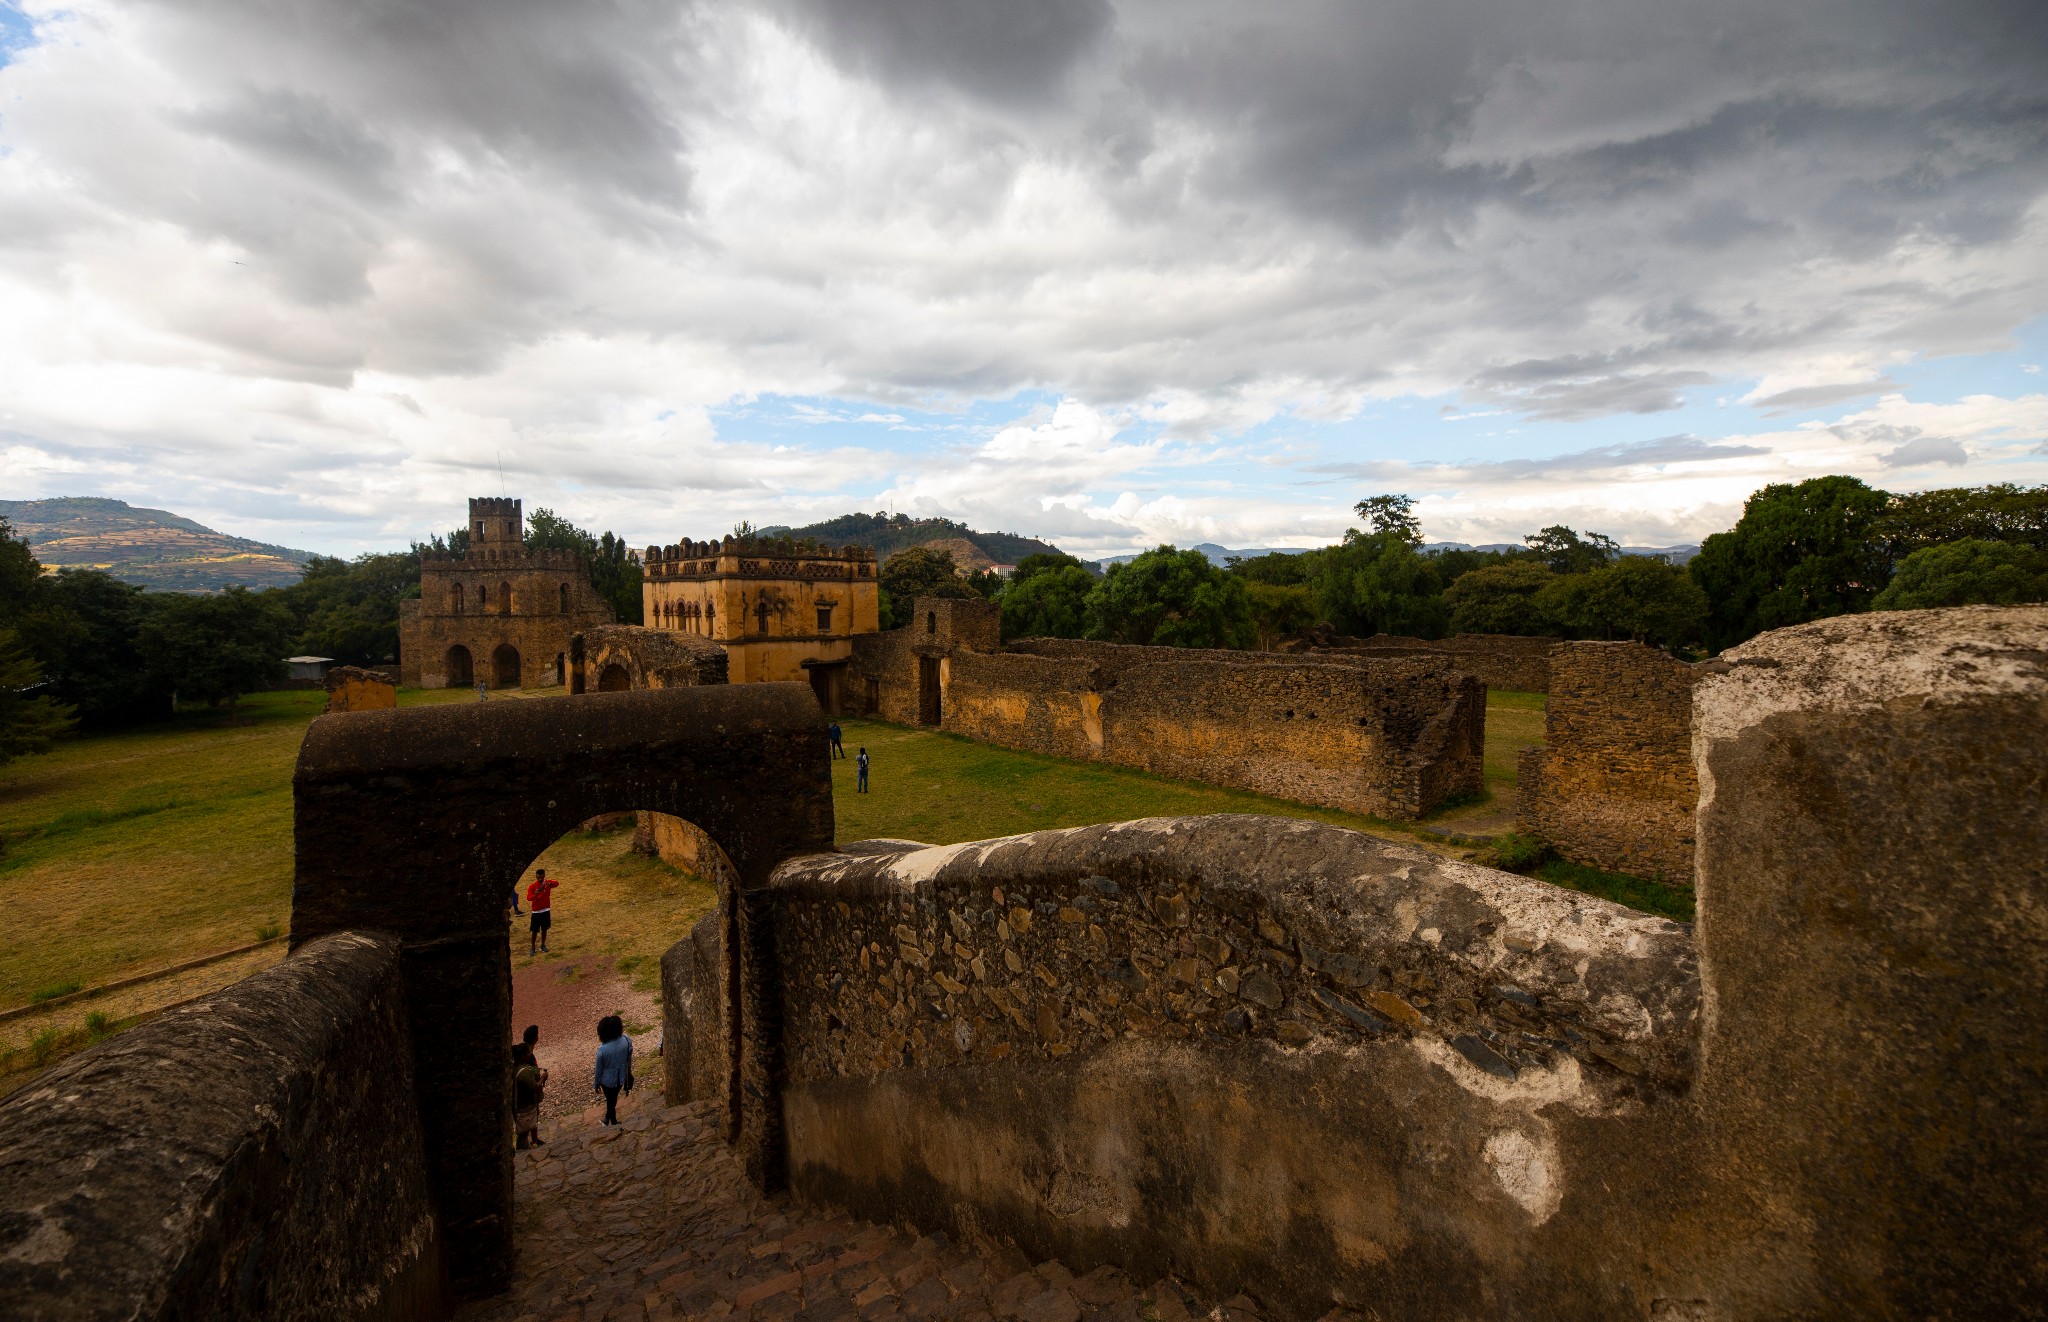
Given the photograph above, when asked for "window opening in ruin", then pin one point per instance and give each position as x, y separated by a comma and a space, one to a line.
565, 598
505, 667
710, 614
504, 598
614, 679
483, 599
931, 621
824, 619
761, 615
459, 668
561, 666
456, 599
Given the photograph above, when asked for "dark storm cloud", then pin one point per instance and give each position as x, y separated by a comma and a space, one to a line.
998, 49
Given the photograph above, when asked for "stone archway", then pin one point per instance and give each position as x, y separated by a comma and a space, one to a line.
505, 667
459, 668
418, 822
614, 678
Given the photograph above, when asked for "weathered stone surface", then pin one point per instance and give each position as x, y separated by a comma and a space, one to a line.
1113, 1102
420, 821
1873, 873
1613, 786
256, 1154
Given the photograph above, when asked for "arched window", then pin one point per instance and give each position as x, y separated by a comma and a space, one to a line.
761, 615
455, 598
710, 615
565, 598
483, 598
504, 598
931, 621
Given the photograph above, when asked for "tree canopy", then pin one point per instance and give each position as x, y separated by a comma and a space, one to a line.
1501, 598
1171, 598
29, 717
217, 648
1377, 582
615, 570
1047, 598
1970, 572
1800, 551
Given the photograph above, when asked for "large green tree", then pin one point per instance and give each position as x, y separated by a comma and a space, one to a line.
1280, 569
1636, 597
87, 628
1799, 552
1501, 598
1280, 611
216, 648
1970, 572
29, 717
2001, 512
348, 609
1377, 582
1047, 597
1565, 552
1171, 598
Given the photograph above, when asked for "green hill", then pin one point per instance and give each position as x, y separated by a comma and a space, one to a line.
150, 548
888, 534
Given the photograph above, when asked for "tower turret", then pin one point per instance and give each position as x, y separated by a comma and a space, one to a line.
495, 521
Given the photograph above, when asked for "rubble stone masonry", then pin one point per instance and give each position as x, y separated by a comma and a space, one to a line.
1614, 785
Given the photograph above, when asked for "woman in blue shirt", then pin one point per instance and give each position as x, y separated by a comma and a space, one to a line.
614, 1071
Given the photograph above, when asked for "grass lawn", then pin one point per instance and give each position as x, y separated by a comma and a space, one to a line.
614, 902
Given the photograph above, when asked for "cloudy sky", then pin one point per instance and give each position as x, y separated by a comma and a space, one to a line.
1111, 273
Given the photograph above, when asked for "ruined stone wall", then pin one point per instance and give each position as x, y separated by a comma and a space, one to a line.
256, 1154
351, 688
1392, 739
1501, 661
1041, 704
1263, 1055
1614, 784
693, 1050
648, 658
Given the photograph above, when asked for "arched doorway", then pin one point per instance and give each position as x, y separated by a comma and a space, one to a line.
459, 668
458, 798
614, 679
505, 667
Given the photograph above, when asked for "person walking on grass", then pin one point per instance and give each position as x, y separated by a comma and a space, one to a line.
540, 899
860, 765
832, 733
529, 1081
614, 1072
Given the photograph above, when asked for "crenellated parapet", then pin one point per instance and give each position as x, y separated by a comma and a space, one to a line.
500, 557
758, 557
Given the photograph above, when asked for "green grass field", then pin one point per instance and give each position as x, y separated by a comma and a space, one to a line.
130, 852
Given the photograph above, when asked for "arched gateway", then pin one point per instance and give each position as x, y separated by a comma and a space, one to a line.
418, 822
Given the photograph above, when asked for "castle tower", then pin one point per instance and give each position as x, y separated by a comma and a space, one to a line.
495, 521
495, 613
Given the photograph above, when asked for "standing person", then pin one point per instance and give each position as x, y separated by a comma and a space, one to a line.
481, 691
540, 899
861, 765
832, 733
614, 1072
529, 1081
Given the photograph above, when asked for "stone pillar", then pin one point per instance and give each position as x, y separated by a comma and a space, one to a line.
1873, 889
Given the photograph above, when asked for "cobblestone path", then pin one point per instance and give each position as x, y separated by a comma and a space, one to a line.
654, 1220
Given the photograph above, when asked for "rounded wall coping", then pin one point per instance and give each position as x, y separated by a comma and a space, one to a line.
1865, 662
461, 735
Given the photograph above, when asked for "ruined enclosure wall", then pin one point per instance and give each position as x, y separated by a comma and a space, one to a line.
650, 658
1260, 1054
352, 688
1501, 661
881, 677
1614, 784
1391, 740
693, 1030
1039, 704
255, 1154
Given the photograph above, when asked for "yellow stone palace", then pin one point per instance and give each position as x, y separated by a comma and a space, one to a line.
783, 610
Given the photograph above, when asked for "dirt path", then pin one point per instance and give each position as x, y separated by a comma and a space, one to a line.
566, 999
653, 1220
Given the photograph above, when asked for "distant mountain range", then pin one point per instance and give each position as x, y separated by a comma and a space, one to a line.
1218, 555
887, 535
150, 548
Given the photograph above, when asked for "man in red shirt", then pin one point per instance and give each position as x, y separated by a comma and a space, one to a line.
539, 898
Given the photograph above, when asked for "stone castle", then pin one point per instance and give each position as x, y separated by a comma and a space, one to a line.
500, 614
782, 610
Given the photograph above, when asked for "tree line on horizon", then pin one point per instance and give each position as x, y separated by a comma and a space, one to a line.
1801, 551
79, 647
